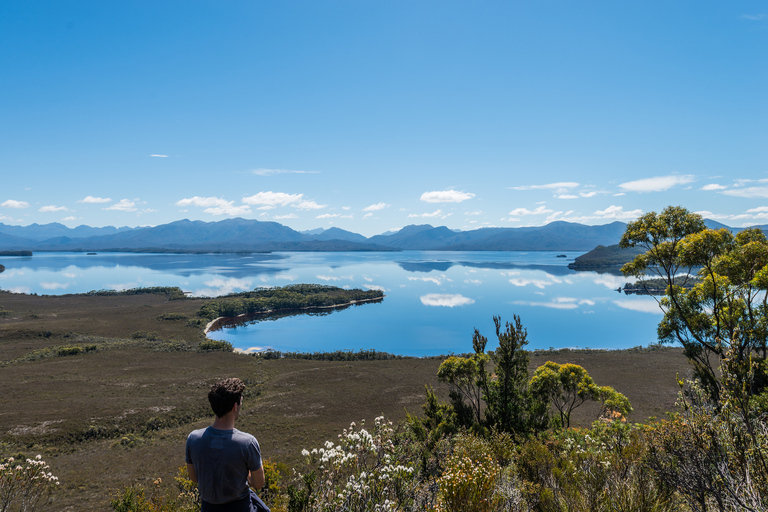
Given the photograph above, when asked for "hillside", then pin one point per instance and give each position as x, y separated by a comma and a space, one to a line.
249, 235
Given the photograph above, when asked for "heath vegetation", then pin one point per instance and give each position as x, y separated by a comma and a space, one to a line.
651, 429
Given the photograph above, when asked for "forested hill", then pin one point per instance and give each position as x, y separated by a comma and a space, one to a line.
248, 235
232, 235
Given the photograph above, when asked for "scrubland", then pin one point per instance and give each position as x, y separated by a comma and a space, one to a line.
106, 388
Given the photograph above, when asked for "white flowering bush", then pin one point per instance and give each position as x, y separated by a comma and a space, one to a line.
359, 473
25, 483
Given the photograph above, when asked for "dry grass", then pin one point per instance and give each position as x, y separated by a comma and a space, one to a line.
120, 414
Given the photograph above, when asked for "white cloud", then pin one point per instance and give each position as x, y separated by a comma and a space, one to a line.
446, 300
474, 213
309, 205
561, 185
328, 216
69, 219
374, 287
375, 207
657, 184
749, 192
566, 196
159, 156
230, 210
287, 216
273, 199
437, 213
713, 186
52, 208
12, 203
124, 205
91, 199
271, 172
617, 213
753, 17
203, 201
446, 196
215, 205
540, 210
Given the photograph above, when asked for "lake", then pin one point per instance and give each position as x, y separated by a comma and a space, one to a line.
434, 300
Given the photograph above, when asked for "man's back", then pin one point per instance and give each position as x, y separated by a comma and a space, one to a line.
222, 460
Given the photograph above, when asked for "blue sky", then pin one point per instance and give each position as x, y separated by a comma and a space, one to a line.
370, 116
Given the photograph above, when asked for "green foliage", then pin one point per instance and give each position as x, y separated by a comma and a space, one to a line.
464, 375
149, 336
336, 355
595, 469
171, 292
172, 316
567, 386
156, 499
215, 345
511, 406
25, 483
361, 472
290, 297
73, 350
488, 391
468, 484
4, 312
716, 453
728, 307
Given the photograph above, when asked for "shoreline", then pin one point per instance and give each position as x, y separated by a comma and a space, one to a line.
217, 323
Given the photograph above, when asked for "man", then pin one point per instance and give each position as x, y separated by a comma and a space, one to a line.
223, 461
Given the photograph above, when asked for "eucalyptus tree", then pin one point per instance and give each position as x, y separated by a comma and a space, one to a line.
727, 310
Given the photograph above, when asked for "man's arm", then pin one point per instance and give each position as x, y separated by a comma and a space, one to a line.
192, 473
256, 478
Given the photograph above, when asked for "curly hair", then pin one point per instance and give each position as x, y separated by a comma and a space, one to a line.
225, 394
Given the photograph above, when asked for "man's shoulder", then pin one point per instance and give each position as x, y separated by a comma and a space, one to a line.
197, 434
243, 436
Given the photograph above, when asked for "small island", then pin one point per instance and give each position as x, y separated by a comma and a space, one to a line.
286, 298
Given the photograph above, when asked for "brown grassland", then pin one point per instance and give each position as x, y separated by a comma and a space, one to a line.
106, 388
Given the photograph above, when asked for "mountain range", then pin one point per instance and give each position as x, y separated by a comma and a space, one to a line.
249, 235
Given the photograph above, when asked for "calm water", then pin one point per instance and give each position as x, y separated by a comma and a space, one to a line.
433, 300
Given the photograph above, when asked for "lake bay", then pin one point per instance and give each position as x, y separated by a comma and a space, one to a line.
434, 300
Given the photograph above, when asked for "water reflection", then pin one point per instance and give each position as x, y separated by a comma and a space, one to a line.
434, 299
446, 300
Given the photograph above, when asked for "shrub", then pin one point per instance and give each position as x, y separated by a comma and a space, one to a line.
26, 483
172, 316
213, 345
468, 484
361, 473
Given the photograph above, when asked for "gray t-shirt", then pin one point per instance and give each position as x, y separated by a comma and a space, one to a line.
222, 459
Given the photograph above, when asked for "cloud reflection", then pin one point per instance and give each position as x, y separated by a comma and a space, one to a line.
219, 286
435, 280
446, 300
335, 278
53, 286
557, 303
538, 283
644, 306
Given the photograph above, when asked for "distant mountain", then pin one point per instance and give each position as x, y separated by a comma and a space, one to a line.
54, 229
555, 236
239, 234
337, 234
